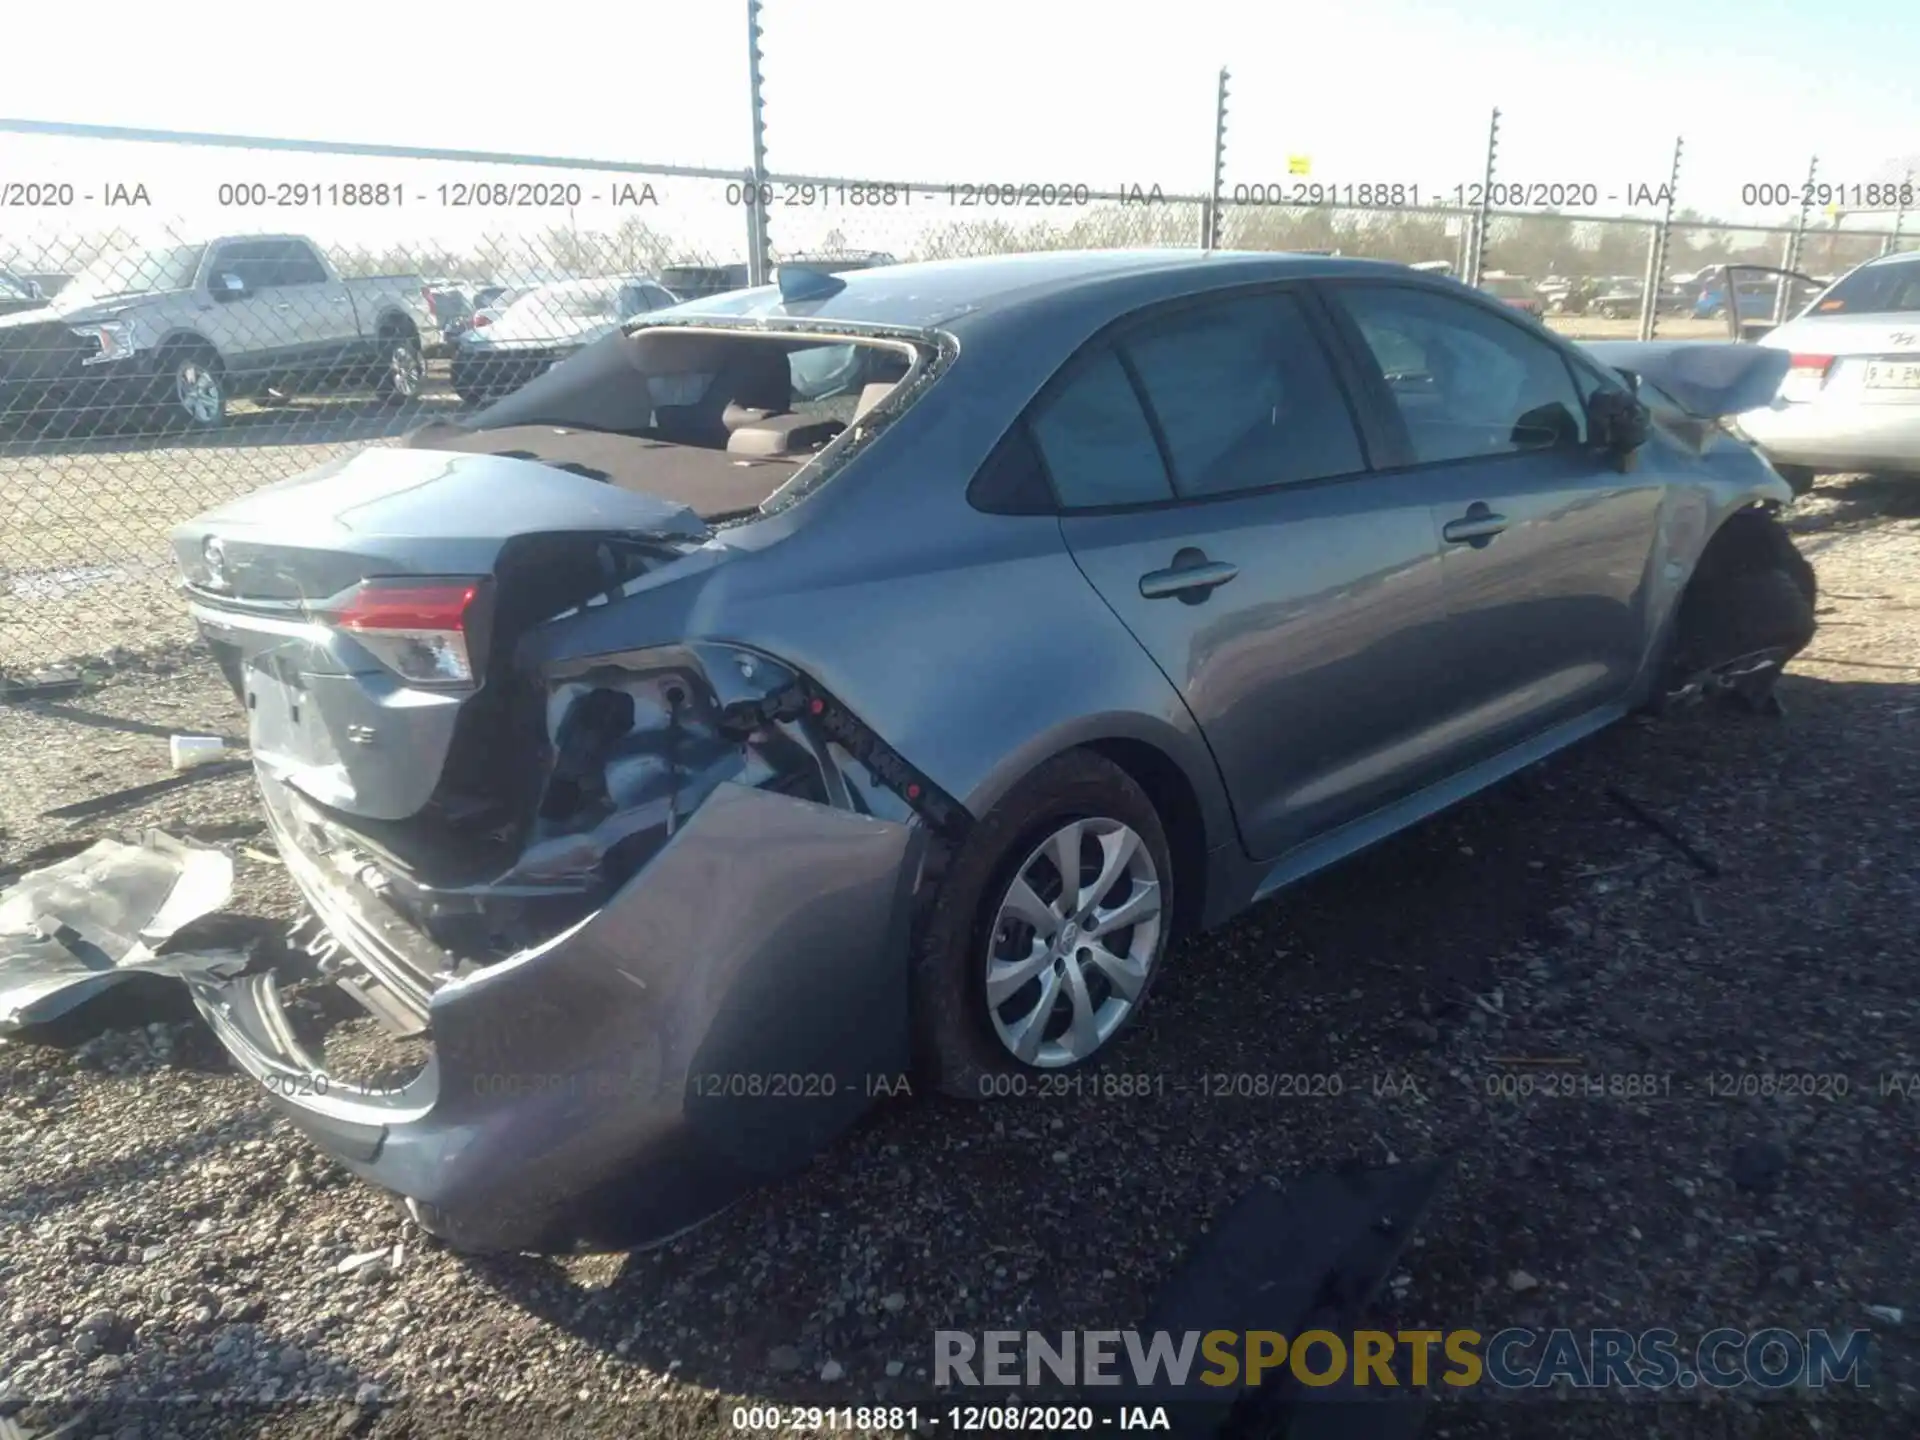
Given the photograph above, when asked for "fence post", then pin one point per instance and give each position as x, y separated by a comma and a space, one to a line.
1657, 252
1794, 241
1477, 256
1899, 216
759, 243
1210, 214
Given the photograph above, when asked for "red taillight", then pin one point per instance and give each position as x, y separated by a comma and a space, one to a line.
1811, 364
419, 631
481, 320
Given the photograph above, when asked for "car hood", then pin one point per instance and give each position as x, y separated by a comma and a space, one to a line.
91, 312
26, 320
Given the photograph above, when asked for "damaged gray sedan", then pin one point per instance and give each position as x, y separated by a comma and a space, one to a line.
870, 676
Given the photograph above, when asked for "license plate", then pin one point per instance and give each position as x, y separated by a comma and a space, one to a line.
1894, 375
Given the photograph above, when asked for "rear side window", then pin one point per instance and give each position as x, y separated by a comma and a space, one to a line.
296, 264
1096, 442
1244, 397
1889, 289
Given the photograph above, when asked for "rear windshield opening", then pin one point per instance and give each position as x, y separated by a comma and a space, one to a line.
719, 421
1890, 289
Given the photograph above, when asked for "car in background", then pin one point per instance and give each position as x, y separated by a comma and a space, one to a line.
179, 329
18, 293
548, 323
1618, 299
696, 281
1851, 397
1515, 291
1754, 299
450, 306
491, 302
660, 722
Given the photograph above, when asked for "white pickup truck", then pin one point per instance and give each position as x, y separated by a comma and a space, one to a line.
184, 328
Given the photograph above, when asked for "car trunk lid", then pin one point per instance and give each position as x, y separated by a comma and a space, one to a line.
341, 602
1867, 359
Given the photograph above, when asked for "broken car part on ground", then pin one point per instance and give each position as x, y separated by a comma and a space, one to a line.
97, 919
876, 672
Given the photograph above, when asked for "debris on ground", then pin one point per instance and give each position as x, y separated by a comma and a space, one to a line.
187, 751
42, 685
85, 923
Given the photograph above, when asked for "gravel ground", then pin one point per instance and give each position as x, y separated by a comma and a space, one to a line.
163, 1238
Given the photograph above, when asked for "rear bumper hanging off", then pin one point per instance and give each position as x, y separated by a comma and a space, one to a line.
728, 1011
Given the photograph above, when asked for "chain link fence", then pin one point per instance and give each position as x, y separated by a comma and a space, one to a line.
157, 369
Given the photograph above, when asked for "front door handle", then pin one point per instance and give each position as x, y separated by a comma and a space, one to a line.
1476, 527
1192, 577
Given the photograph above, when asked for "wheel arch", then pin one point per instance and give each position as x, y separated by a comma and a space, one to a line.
185, 339
395, 321
1745, 536
1174, 769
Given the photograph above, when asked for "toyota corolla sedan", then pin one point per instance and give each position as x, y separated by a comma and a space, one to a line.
1851, 397
874, 676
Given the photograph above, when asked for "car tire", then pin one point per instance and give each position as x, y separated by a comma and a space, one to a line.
965, 1040
192, 388
403, 369
1752, 594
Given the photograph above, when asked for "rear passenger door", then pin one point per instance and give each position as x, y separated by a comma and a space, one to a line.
1215, 490
1545, 544
253, 338
318, 312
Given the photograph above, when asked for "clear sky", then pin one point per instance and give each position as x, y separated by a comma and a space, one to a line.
1002, 90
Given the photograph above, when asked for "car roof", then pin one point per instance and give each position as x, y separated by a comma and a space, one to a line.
934, 294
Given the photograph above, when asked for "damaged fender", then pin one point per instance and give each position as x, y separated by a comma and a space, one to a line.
728, 1011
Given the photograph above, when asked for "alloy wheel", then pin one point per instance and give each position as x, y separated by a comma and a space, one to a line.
198, 390
1073, 943
406, 370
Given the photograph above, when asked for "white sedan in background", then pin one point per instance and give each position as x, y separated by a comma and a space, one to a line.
1851, 401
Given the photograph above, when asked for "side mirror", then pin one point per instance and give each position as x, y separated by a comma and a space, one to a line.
229, 287
1619, 422
34, 292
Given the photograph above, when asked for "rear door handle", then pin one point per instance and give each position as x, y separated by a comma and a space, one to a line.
1190, 579
1479, 523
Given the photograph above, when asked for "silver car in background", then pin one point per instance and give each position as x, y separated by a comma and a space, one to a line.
876, 673
1851, 397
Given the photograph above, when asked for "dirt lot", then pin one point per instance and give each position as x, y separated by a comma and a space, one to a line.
163, 1239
